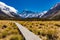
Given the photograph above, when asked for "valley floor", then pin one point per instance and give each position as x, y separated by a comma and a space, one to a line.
47, 30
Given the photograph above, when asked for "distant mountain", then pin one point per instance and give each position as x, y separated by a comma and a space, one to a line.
31, 14
53, 13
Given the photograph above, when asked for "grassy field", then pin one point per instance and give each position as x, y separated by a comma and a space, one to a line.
9, 31
47, 30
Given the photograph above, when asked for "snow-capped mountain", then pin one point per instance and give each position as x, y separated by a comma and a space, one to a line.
53, 13
8, 12
31, 14
7, 9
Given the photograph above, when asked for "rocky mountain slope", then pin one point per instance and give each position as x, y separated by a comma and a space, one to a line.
53, 13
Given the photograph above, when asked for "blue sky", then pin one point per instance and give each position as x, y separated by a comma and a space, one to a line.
33, 5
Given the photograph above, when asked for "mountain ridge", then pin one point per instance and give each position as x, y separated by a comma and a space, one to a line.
53, 12
8, 12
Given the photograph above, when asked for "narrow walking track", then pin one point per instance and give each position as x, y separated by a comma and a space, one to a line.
26, 33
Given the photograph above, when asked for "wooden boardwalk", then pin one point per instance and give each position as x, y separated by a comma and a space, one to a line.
26, 33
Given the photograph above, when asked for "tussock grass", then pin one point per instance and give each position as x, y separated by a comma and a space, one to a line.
47, 30
9, 31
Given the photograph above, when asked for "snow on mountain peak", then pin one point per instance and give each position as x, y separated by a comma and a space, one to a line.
58, 4
31, 14
11, 8
7, 9
12, 12
44, 11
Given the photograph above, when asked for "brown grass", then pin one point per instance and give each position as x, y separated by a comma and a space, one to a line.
47, 30
9, 31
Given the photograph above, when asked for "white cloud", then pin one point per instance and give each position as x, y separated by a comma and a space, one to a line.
11, 8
